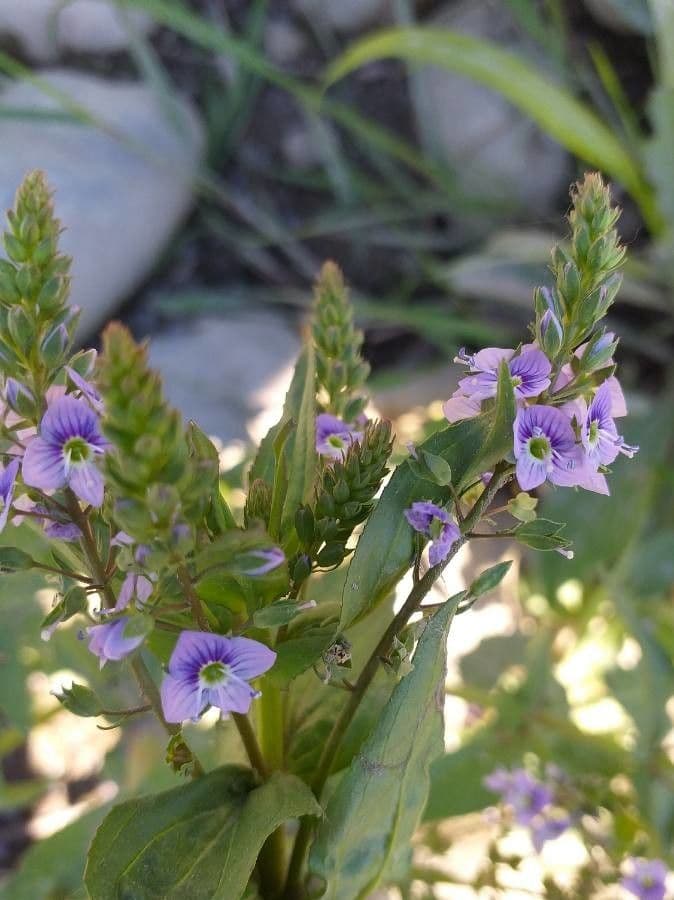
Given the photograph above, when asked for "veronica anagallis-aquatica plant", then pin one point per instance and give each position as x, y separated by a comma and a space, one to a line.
282, 622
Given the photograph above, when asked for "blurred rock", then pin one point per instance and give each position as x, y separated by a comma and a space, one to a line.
283, 41
625, 16
46, 28
497, 152
299, 146
345, 15
229, 375
119, 198
95, 26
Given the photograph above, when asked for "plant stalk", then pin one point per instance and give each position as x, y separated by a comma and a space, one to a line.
294, 881
141, 672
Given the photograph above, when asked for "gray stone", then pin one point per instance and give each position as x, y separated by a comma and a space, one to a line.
283, 41
228, 374
625, 16
496, 151
118, 198
46, 28
344, 15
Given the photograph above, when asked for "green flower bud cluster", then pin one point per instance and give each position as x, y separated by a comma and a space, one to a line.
344, 499
36, 325
340, 369
586, 274
159, 476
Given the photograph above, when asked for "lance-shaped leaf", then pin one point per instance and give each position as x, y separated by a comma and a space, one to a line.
364, 839
294, 436
263, 465
300, 449
386, 545
553, 108
199, 840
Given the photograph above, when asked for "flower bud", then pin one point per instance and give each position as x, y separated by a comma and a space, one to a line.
301, 570
21, 328
304, 525
599, 352
19, 398
55, 345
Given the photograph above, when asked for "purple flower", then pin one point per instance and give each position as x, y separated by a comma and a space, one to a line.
121, 539
62, 531
545, 447
108, 641
334, 437
138, 586
87, 390
7, 481
459, 407
422, 516
529, 371
212, 670
271, 559
646, 878
599, 434
65, 451
548, 826
527, 796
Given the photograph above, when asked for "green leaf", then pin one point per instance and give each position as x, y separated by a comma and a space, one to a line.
300, 449
14, 560
489, 579
386, 545
263, 465
431, 468
200, 840
80, 700
372, 814
553, 108
279, 613
658, 149
296, 654
541, 534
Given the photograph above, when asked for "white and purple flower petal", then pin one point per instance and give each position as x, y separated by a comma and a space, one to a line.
442, 545
421, 516
333, 436
109, 642
7, 482
86, 389
529, 370
212, 670
270, 559
548, 826
134, 585
545, 447
645, 879
65, 451
461, 406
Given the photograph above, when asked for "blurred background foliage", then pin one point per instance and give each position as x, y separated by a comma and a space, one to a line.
427, 147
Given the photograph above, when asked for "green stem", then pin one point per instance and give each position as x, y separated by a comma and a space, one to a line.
271, 721
193, 598
249, 741
271, 862
141, 672
294, 881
